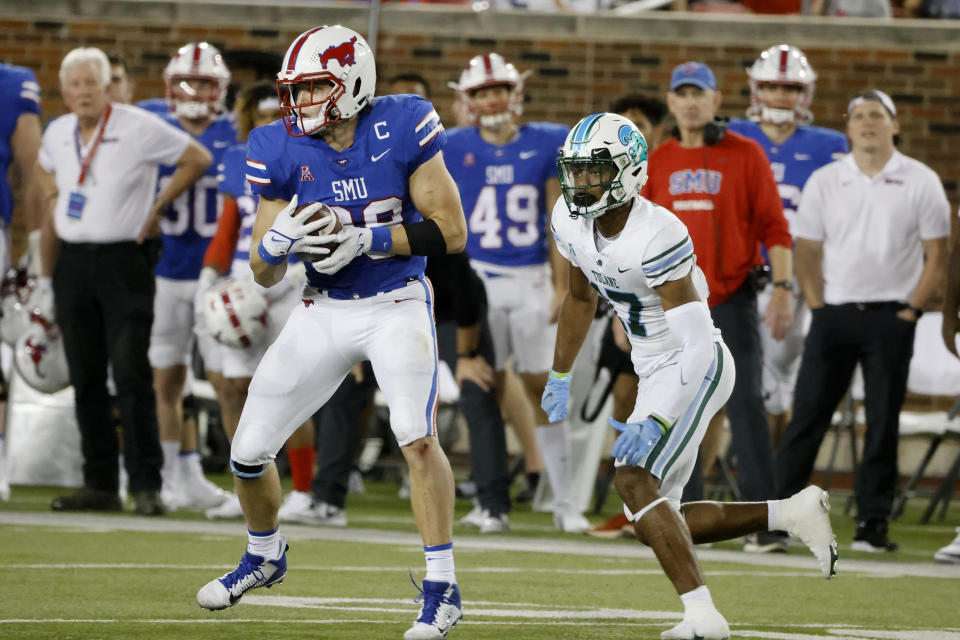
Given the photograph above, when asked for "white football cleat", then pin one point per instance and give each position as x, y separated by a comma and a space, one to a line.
699, 623
295, 505
252, 572
441, 610
193, 490
229, 510
806, 515
322, 514
949, 554
474, 518
570, 521
494, 524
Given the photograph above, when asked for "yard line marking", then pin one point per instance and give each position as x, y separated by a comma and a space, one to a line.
386, 569
411, 540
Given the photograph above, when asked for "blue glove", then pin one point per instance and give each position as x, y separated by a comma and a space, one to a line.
556, 395
636, 439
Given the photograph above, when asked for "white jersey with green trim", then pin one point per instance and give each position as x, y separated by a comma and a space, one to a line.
653, 248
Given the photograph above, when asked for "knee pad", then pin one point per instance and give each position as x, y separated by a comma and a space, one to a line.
635, 517
247, 471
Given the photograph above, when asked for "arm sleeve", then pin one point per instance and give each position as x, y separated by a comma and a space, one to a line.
220, 251
426, 134
264, 169
691, 325
160, 142
772, 227
670, 256
808, 223
933, 209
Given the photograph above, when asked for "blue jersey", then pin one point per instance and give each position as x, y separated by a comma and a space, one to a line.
503, 191
190, 222
19, 94
233, 182
367, 184
808, 149
159, 106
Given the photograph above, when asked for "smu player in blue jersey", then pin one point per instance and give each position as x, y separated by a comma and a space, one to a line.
196, 79
507, 179
229, 253
19, 144
375, 163
781, 89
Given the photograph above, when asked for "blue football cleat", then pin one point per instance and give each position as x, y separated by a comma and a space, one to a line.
441, 610
252, 572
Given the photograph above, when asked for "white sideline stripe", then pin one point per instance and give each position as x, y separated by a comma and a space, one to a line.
411, 540
384, 569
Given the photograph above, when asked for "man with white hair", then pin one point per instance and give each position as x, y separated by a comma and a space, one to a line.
97, 176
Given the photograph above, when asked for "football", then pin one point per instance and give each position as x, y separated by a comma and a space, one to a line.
332, 226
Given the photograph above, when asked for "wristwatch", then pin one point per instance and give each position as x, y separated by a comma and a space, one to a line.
917, 312
784, 284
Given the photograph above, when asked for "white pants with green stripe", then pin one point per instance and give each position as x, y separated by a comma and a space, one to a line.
673, 458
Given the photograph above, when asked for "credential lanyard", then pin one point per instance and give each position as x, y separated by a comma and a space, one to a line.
86, 162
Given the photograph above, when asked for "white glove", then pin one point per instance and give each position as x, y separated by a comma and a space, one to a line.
42, 299
290, 231
353, 242
208, 276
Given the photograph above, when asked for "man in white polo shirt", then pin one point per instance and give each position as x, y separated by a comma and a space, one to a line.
871, 239
98, 175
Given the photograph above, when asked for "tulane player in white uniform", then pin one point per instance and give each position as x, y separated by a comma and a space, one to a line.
506, 176
640, 258
377, 163
196, 79
781, 90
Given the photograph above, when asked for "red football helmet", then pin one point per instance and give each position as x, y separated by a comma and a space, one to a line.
318, 59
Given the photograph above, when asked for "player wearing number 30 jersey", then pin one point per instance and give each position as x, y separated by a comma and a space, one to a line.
640, 257
377, 163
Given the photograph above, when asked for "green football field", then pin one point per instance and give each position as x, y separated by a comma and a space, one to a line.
87, 576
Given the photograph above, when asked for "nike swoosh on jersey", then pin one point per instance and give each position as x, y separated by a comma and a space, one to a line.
801, 156
219, 144
375, 158
526, 155
624, 270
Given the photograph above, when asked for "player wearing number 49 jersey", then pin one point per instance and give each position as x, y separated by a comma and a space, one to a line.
506, 174
640, 257
377, 164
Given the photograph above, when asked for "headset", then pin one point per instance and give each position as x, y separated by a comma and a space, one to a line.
713, 132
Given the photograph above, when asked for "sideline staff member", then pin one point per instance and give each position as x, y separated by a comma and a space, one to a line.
99, 163
864, 226
721, 186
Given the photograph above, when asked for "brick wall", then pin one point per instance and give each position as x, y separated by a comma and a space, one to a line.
571, 76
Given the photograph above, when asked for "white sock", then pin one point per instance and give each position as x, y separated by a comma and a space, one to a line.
266, 544
190, 461
439, 560
555, 449
697, 598
773, 509
171, 451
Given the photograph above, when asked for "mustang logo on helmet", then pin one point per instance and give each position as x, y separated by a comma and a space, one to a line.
344, 53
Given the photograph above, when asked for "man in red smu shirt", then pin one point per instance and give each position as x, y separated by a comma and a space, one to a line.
721, 186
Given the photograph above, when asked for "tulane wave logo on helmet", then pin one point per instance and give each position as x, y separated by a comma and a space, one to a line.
634, 142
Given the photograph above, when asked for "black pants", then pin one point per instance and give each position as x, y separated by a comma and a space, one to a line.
487, 431
840, 337
737, 319
104, 304
338, 436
